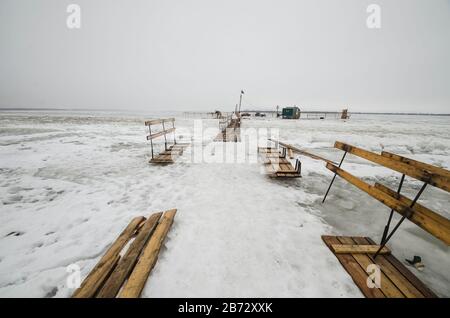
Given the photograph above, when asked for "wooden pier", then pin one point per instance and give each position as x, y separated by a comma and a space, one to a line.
230, 130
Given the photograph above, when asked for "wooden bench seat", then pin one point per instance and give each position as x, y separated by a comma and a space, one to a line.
276, 164
396, 281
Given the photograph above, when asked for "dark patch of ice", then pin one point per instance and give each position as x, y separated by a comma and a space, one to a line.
15, 233
51, 293
38, 244
13, 199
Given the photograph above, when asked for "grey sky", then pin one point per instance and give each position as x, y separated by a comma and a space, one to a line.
199, 54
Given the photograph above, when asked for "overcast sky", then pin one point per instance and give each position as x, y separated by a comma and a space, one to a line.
199, 54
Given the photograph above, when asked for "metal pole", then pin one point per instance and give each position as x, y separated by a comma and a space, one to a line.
386, 228
240, 102
151, 139
165, 137
401, 220
334, 177
173, 126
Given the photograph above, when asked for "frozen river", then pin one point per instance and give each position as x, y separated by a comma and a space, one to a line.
71, 181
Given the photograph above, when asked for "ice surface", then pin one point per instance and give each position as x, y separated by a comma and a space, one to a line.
71, 181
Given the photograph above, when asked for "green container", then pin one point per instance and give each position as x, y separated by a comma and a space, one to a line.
291, 113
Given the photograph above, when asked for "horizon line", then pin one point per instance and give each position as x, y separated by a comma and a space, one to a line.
204, 111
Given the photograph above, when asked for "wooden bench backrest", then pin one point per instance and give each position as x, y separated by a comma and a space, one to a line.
162, 132
435, 176
430, 221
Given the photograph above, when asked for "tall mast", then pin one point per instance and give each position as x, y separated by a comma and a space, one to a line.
240, 100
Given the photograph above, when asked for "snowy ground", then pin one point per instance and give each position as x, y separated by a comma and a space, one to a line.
71, 181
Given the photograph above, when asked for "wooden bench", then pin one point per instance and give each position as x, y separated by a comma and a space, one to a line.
169, 153
276, 164
125, 276
428, 220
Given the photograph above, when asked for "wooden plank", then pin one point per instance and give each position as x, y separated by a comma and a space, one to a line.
417, 164
386, 286
158, 121
356, 272
427, 292
267, 149
160, 133
423, 175
100, 272
358, 249
286, 175
419, 218
271, 169
290, 153
124, 268
303, 152
182, 144
272, 160
153, 122
392, 273
136, 282
430, 221
162, 161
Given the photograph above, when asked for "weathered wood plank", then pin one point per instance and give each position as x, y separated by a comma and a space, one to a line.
275, 165
303, 152
417, 164
432, 178
356, 272
358, 249
401, 207
136, 282
430, 221
160, 133
158, 121
386, 286
128, 261
100, 272
427, 292
392, 273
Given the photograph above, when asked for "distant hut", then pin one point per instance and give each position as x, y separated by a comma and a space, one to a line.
291, 112
344, 114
